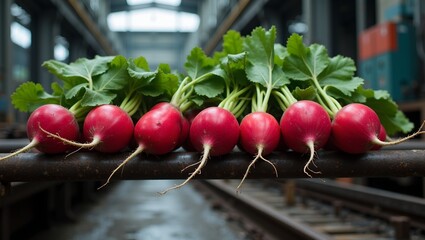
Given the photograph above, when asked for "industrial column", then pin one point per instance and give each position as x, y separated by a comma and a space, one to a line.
5, 61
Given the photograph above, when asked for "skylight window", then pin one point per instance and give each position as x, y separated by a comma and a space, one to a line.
166, 2
153, 20
20, 35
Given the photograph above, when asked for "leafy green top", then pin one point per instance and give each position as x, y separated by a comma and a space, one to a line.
248, 70
335, 84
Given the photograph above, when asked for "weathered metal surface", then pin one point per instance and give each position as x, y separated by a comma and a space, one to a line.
95, 166
9, 145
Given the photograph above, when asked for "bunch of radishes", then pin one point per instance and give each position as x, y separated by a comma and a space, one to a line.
235, 98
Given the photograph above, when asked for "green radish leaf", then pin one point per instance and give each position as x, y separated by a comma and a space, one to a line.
29, 96
197, 64
232, 42
164, 83
399, 122
339, 68
339, 74
82, 70
308, 93
142, 63
140, 72
261, 67
391, 118
94, 98
76, 90
115, 78
211, 88
306, 63
345, 87
234, 68
198, 101
280, 53
295, 46
57, 89
56, 67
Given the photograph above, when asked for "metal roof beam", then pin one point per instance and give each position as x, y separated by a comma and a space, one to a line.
182, 8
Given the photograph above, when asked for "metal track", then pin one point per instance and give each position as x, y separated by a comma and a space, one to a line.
95, 166
321, 210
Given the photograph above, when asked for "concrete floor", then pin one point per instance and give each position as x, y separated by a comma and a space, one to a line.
132, 210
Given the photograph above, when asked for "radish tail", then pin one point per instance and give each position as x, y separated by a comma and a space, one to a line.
394, 142
135, 153
202, 162
30, 145
310, 145
258, 156
189, 166
260, 150
94, 143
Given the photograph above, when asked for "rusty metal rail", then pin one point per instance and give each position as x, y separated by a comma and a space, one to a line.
95, 166
376, 202
311, 209
261, 220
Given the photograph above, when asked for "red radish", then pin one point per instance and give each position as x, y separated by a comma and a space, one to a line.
52, 118
184, 122
157, 132
382, 136
184, 132
189, 116
306, 127
108, 128
259, 135
356, 128
214, 131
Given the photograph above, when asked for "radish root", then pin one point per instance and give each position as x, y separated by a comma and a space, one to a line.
394, 142
32, 144
310, 145
135, 153
189, 166
202, 162
92, 144
258, 156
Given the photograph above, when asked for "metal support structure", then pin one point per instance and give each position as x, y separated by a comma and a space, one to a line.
77, 48
6, 55
44, 29
317, 15
95, 166
228, 22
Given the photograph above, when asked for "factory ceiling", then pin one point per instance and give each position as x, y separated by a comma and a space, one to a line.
155, 29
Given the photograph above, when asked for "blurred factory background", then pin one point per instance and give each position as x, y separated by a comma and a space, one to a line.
385, 37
